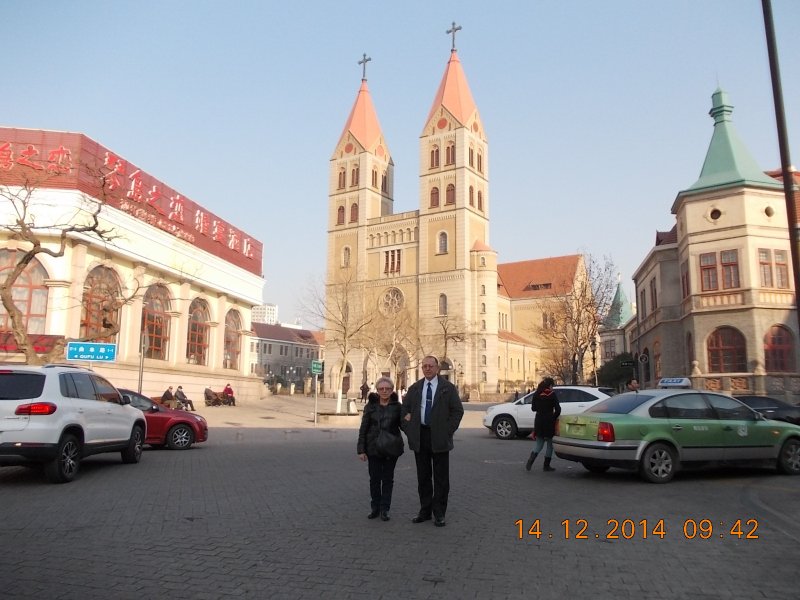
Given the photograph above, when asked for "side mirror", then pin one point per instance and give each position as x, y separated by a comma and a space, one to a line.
124, 399
154, 407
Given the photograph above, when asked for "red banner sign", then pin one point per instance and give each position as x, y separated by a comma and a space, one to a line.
63, 160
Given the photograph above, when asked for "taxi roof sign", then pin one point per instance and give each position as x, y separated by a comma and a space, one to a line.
674, 382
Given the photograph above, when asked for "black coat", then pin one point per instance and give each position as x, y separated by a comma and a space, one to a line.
446, 415
375, 418
547, 412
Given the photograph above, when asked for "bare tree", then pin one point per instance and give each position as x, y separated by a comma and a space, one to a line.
35, 228
574, 315
343, 310
389, 337
452, 331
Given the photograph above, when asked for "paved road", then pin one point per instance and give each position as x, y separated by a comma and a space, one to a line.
279, 510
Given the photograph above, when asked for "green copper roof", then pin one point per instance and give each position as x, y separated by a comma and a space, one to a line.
620, 311
728, 161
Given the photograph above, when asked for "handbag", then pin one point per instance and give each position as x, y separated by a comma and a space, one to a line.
389, 444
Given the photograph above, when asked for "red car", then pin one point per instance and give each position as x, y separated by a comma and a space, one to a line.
177, 429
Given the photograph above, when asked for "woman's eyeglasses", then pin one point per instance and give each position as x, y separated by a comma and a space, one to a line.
384, 389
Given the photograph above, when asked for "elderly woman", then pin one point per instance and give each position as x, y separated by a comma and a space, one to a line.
380, 443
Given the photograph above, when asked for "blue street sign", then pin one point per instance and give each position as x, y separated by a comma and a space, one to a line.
91, 351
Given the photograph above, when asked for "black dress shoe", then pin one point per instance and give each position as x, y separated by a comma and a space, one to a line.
385, 515
373, 514
421, 518
439, 522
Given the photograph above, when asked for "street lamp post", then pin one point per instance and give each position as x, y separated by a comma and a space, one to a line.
593, 348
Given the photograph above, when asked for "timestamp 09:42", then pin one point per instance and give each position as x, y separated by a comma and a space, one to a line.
628, 529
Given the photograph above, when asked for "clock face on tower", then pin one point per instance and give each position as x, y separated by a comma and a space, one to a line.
391, 302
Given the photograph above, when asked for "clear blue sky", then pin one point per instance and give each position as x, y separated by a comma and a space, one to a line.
596, 112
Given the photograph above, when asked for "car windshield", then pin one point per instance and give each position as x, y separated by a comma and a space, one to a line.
620, 404
16, 385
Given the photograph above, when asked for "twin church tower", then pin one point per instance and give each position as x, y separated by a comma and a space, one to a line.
401, 285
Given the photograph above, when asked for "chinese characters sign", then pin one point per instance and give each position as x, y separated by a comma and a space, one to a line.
71, 160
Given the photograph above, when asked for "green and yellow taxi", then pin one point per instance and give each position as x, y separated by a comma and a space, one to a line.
657, 432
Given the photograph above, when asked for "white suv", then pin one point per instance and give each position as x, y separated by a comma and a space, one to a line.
516, 418
55, 415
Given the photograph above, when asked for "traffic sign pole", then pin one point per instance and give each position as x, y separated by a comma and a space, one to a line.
315, 399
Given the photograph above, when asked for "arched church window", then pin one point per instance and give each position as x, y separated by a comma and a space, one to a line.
442, 243
340, 216
450, 154
434, 157
434, 197
450, 194
354, 212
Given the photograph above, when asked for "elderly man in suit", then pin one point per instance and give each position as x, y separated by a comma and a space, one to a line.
432, 412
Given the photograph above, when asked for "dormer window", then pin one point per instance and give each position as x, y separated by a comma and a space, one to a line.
540, 286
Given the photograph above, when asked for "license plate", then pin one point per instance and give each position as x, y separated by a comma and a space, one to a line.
576, 429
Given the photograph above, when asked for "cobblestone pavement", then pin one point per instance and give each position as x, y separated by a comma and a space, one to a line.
273, 507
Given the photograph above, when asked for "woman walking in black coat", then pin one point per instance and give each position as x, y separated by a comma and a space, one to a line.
380, 443
545, 404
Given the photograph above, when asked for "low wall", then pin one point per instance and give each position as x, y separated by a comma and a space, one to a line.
341, 419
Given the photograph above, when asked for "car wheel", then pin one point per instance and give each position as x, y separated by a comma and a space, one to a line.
180, 437
133, 452
504, 428
64, 467
659, 463
789, 458
595, 468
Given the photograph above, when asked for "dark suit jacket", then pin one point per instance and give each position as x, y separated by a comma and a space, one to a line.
446, 415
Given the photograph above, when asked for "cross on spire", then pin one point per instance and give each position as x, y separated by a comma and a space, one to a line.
453, 30
363, 62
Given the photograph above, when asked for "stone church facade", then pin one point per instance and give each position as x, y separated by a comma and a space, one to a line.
401, 285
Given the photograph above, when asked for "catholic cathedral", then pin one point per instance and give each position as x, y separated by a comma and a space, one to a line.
401, 285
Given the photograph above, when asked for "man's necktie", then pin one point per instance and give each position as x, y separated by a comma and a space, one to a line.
428, 404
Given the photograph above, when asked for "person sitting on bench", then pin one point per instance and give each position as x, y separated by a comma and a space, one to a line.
212, 397
227, 396
181, 397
